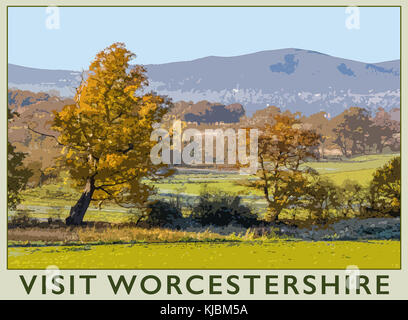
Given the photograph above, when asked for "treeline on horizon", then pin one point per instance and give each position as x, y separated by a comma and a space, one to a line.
354, 132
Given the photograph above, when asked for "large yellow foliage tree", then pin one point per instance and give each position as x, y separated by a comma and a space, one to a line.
106, 133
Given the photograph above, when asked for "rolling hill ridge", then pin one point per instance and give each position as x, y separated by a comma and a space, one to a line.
291, 79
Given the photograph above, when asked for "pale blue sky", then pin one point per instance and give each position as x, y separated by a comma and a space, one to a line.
159, 35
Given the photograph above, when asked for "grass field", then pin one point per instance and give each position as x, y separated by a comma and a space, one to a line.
233, 255
358, 169
55, 200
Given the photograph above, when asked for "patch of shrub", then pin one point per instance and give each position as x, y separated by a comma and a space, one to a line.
161, 213
221, 209
353, 198
21, 219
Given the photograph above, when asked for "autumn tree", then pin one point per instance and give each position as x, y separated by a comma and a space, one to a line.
321, 124
17, 173
260, 117
282, 147
40, 175
383, 130
352, 131
106, 133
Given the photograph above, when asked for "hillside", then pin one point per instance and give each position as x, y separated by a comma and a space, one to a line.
291, 79
207, 112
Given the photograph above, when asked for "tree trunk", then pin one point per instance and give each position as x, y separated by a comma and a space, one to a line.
272, 215
380, 147
77, 213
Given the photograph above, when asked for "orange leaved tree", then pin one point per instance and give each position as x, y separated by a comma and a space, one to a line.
283, 145
106, 132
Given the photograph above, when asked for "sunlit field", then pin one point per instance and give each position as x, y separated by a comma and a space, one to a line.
229, 255
55, 200
166, 249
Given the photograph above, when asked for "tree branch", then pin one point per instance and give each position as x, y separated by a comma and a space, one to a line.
112, 197
44, 134
131, 146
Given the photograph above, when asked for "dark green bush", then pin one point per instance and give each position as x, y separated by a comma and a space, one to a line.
161, 213
222, 209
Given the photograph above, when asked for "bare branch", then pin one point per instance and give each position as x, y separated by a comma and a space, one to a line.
44, 134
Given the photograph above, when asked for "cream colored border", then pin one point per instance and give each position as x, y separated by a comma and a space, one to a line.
10, 285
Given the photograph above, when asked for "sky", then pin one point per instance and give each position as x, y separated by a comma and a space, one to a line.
70, 39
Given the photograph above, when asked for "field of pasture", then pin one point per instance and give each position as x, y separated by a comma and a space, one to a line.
212, 255
194, 250
55, 200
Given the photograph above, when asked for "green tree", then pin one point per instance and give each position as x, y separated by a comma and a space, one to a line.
320, 196
353, 197
385, 188
106, 133
17, 173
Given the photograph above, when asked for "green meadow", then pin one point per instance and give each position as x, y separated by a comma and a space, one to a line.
54, 201
212, 255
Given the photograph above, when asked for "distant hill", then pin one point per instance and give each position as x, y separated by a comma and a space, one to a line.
207, 112
18, 99
291, 79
